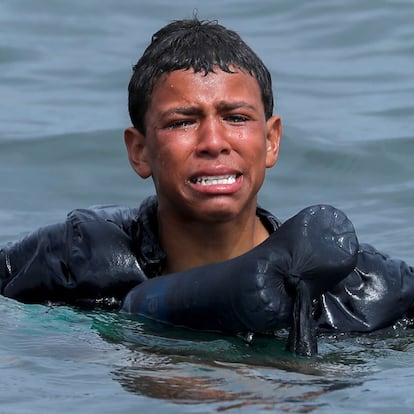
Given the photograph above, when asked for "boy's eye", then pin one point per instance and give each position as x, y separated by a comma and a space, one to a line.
181, 123
237, 118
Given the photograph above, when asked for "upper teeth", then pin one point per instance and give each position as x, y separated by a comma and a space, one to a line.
214, 180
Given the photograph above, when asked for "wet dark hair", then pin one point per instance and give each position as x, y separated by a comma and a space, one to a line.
198, 45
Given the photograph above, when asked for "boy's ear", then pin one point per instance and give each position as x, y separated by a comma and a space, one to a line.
137, 152
274, 135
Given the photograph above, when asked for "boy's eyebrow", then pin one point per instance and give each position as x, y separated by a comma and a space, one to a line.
229, 106
188, 110
182, 110
196, 110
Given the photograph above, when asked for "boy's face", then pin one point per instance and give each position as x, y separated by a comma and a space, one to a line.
207, 144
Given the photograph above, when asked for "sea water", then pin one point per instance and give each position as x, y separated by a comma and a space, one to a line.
343, 75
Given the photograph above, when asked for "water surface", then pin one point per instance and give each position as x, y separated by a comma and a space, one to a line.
344, 85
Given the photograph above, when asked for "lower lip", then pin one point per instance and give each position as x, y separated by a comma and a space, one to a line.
218, 189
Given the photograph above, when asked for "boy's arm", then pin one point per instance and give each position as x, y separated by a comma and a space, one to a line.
375, 295
88, 257
270, 287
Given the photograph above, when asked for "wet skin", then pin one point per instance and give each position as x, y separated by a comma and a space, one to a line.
207, 145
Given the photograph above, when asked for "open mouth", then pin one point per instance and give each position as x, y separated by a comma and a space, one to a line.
215, 180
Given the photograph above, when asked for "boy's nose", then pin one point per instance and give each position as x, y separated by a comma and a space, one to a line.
212, 139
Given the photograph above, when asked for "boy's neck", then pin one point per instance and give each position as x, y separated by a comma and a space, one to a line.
188, 244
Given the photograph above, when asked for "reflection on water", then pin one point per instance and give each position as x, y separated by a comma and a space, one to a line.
65, 348
195, 368
227, 386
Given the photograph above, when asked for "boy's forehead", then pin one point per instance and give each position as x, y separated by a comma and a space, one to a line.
189, 82
216, 70
181, 89
183, 78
